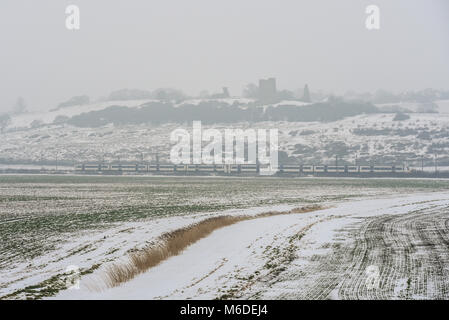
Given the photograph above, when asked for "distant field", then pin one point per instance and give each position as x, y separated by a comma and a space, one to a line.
43, 215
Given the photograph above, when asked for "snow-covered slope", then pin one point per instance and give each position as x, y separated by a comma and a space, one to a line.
368, 137
26, 119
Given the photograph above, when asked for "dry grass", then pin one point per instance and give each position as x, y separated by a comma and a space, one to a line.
173, 243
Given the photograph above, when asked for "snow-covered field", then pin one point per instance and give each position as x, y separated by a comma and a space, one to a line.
370, 138
275, 257
49, 223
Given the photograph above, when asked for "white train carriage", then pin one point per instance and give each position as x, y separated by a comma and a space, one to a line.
335, 168
265, 169
290, 169
104, 167
220, 168
166, 168
248, 168
206, 168
191, 168
381, 169
234, 168
180, 167
307, 169
366, 169
91, 167
142, 168
129, 167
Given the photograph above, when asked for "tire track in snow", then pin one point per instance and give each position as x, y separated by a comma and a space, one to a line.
410, 250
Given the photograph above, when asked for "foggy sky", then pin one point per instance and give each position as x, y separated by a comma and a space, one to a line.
206, 44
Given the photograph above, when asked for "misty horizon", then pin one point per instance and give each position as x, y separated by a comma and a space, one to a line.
202, 46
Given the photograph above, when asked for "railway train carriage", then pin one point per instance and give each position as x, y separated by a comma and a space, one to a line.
249, 168
91, 167
220, 168
129, 167
166, 168
352, 169
307, 169
115, 167
142, 168
382, 169
365, 169
206, 168
290, 169
191, 168
336, 169
236, 168
179, 168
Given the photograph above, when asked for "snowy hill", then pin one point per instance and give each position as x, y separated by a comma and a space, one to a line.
372, 137
25, 120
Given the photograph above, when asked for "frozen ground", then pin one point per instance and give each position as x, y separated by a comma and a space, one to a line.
369, 137
49, 223
381, 248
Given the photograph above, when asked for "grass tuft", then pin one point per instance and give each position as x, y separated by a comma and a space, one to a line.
174, 242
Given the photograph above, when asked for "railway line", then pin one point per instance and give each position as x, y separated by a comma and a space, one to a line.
234, 169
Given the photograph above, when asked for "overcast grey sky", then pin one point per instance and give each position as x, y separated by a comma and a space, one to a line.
205, 44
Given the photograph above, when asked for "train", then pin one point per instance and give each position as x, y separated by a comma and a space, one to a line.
236, 168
